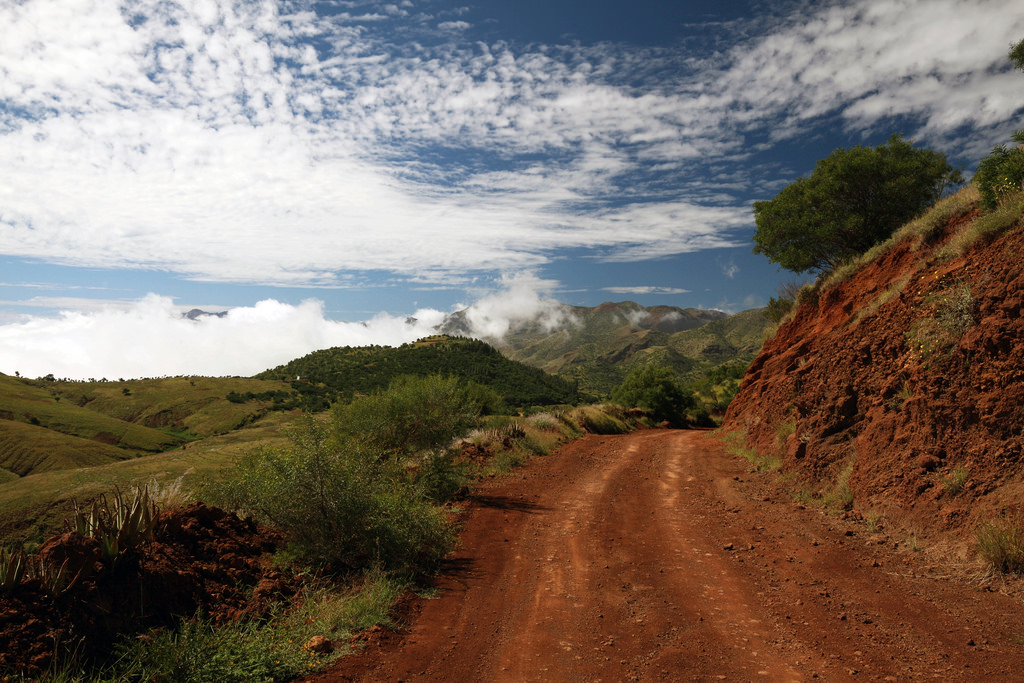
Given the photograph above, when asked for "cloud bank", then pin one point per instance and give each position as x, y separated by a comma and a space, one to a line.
153, 338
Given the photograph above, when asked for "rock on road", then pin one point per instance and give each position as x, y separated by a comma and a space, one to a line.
657, 556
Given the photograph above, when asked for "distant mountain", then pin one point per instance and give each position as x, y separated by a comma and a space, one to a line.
596, 347
359, 370
197, 313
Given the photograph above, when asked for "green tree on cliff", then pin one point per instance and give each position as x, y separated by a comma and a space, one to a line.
1002, 172
854, 199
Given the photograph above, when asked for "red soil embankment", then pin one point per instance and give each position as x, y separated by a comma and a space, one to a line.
909, 375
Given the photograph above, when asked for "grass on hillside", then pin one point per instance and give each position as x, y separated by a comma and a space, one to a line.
40, 405
188, 406
34, 507
736, 443
27, 449
47, 426
989, 224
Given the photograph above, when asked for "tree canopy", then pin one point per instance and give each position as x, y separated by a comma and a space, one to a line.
854, 199
1017, 54
654, 389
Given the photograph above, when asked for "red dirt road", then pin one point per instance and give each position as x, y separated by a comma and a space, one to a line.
656, 556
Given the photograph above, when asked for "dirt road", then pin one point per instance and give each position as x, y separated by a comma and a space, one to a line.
656, 556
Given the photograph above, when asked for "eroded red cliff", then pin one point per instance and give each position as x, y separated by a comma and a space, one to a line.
909, 375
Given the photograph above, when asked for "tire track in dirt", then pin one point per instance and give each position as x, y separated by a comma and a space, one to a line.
655, 556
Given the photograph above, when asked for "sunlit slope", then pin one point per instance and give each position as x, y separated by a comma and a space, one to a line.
33, 403
32, 507
27, 449
738, 335
605, 342
193, 405
46, 426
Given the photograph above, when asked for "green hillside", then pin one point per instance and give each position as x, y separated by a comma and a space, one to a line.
51, 425
27, 449
737, 337
40, 404
197, 406
35, 506
607, 341
350, 371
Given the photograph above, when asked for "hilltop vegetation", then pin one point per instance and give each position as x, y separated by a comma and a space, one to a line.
350, 371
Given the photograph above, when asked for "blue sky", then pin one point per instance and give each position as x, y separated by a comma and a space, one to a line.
327, 170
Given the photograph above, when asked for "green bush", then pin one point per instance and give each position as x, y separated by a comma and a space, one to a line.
1000, 173
777, 309
954, 482
440, 477
655, 390
596, 420
1017, 55
415, 414
341, 504
199, 651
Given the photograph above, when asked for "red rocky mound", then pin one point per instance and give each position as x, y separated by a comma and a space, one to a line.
909, 375
202, 558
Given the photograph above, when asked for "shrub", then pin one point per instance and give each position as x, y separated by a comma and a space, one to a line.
341, 504
1000, 174
952, 315
1002, 171
413, 415
596, 420
1017, 55
12, 568
841, 496
1001, 542
954, 482
440, 477
777, 309
119, 525
655, 390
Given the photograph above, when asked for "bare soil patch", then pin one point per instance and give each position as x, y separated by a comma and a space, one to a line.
202, 559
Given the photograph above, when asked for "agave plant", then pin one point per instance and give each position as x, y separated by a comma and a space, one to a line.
55, 580
118, 525
12, 568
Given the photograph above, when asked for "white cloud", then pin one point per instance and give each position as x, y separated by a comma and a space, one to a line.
942, 60
523, 298
151, 338
646, 290
229, 142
